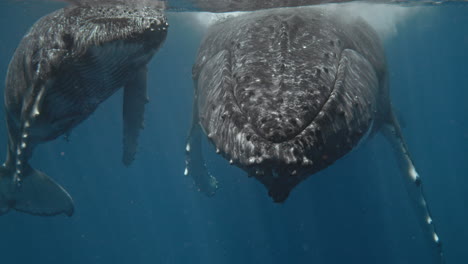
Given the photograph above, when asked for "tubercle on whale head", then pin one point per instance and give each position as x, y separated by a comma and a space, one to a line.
259, 156
102, 23
279, 181
249, 149
279, 166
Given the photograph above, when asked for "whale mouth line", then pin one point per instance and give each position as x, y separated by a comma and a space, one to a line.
278, 138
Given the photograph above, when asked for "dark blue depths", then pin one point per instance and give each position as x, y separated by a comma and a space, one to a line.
354, 212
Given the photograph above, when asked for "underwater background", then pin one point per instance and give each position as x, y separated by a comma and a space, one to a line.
356, 211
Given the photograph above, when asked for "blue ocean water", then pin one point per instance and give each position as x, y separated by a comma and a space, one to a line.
356, 211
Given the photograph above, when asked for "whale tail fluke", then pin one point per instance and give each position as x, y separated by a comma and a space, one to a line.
37, 194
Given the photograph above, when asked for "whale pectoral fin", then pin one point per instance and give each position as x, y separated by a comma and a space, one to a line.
207, 82
414, 188
195, 165
37, 195
135, 98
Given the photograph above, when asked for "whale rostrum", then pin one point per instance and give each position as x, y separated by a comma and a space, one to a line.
68, 63
284, 93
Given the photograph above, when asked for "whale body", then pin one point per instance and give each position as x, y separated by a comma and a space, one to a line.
284, 93
66, 65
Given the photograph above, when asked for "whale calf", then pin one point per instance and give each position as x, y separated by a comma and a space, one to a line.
284, 93
68, 63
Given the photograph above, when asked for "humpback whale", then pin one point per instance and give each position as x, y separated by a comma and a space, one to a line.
68, 63
284, 93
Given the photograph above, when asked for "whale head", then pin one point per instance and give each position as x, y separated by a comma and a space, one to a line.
104, 23
288, 93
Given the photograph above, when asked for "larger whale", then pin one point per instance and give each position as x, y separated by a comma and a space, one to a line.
284, 93
66, 65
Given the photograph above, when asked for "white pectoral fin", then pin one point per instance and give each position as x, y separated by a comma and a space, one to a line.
135, 99
195, 165
414, 186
